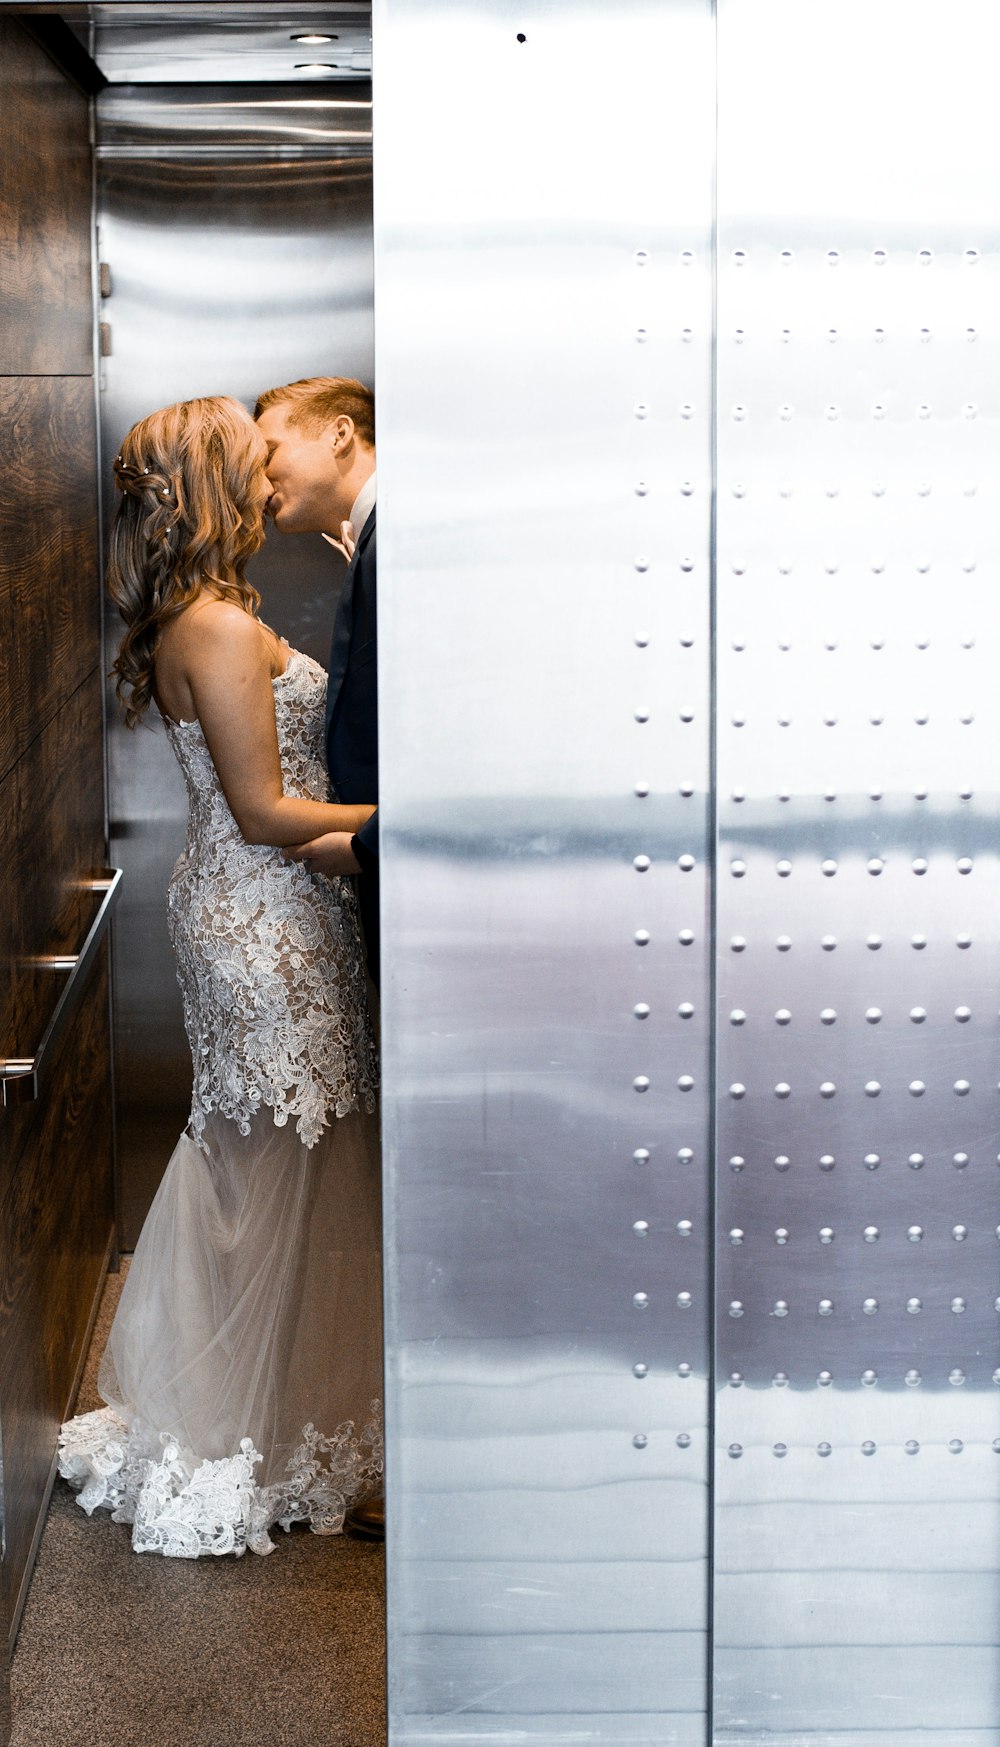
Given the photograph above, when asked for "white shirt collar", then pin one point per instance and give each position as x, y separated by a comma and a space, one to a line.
362, 506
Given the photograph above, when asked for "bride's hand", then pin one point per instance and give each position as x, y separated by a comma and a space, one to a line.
346, 543
328, 855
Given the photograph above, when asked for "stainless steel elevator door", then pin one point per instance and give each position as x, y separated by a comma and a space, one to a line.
858, 880
543, 313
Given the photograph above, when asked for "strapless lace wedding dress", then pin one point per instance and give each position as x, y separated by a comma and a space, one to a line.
243, 1369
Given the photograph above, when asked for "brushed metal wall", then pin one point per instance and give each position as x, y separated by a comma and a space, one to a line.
236, 222
858, 951
543, 273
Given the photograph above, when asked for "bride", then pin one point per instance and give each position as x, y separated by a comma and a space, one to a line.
243, 1366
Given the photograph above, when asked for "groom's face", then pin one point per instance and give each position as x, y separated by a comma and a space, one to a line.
304, 475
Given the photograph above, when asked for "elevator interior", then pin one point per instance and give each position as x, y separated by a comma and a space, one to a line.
687, 475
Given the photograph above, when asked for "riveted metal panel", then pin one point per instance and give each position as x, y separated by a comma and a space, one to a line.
858, 878
544, 398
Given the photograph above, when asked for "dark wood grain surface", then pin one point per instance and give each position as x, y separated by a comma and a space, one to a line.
57, 1219
45, 216
52, 806
49, 585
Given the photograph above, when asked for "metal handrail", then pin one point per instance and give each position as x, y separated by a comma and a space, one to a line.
21, 1076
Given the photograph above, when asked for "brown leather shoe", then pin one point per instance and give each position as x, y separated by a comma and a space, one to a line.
367, 1520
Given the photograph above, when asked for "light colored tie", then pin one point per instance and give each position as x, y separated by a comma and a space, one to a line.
347, 542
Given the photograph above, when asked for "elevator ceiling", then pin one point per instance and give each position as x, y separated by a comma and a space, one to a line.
222, 44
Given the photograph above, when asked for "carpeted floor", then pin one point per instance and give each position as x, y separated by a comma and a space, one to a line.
118, 1650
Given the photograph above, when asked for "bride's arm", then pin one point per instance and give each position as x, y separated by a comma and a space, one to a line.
228, 669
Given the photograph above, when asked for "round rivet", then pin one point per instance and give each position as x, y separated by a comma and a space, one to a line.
825, 1307
783, 868
685, 1154
686, 1082
958, 1305
684, 1228
641, 863
640, 1440
736, 1235
869, 1378
916, 1088
683, 1440
685, 863
782, 1162
872, 1161
640, 1370
783, 1016
684, 1301
736, 1451
868, 1448
641, 640
737, 1090
871, 1234
960, 1233
870, 1306
641, 1155
641, 937
826, 1234
876, 865
872, 1088
964, 865
918, 942
962, 1088
912, 1378
919, 865
960, 1160
640, 1227
640, 257
684, 1369
956, 1446
914, 1306
828, 942
963, 940
962, 1014
641, 1010
737, 1016
780, 1308
873, 942
956, 1378
640, 1083
641, 788
737, 869
736, 1379
911, 1447
916, 1161
686, 789
780, 1449
737, 1163
824, 1379
641, 714
641, 563
873, 1015
823, 1449
782, 1089
736, 1309
640, 1300
827, 1089
641, 410
918, 1015
781, 1235
915, 1233
784, 942
828, 868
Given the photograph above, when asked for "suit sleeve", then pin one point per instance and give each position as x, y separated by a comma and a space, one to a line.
365, 845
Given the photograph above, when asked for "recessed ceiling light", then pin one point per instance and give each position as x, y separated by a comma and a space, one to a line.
315, 67
312, 36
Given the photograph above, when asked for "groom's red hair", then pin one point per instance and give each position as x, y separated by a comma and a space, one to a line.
316, 401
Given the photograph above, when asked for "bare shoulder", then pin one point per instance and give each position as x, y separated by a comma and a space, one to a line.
214, 628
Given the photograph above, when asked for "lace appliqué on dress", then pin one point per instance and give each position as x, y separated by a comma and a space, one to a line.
269, 956
185, 1509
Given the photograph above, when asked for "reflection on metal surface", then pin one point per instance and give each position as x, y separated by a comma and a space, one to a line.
220, 43
858, 880
258, 122
230, 270
544, 310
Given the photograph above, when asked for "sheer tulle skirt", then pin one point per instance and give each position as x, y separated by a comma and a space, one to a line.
243, 1369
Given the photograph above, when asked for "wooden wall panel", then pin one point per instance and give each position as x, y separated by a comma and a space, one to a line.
49, 583
57, 1218
52, 805
46, 321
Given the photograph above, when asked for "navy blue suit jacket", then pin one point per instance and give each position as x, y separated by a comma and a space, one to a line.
352, 720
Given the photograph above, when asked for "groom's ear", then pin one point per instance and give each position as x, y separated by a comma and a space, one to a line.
340, 434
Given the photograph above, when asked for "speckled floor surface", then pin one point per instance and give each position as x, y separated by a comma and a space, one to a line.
118, 1650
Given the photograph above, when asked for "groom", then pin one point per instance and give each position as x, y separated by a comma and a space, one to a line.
320, 436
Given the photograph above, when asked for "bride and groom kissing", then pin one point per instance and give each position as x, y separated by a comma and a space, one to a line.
243, 1369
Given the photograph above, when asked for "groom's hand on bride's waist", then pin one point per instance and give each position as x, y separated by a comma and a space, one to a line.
328, 855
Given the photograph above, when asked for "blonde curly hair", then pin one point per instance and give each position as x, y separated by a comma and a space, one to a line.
194, 493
